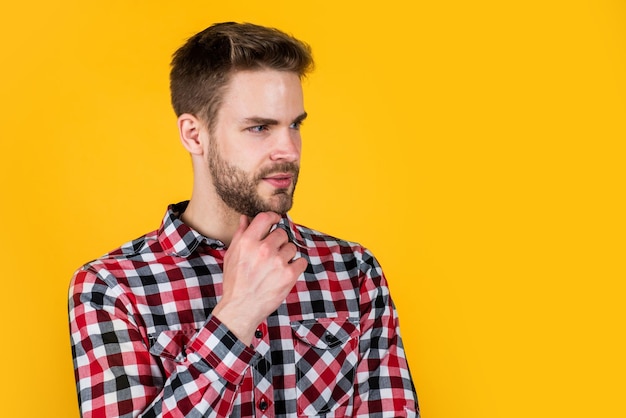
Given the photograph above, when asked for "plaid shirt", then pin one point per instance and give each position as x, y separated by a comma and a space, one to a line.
145, 343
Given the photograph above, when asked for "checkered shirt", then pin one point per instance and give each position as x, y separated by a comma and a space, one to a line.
145, 344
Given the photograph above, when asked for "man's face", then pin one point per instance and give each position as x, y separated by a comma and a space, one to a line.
254, 148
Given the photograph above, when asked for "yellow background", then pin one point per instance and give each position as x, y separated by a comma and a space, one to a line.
475, 146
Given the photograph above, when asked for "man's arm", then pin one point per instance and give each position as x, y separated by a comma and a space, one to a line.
118, 376
383, 382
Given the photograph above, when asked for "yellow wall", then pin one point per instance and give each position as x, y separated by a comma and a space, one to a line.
476, 146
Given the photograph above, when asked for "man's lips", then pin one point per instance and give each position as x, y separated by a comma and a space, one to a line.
280, 180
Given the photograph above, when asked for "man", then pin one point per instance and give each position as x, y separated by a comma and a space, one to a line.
230, 308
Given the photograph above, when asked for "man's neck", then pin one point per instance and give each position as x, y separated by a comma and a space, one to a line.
213, 219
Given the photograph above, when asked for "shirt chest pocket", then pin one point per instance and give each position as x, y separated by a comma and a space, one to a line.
326, 354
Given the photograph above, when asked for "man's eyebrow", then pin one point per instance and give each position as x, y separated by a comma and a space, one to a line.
257, 120
301, 117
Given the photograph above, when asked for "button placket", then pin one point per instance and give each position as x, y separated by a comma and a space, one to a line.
262, 373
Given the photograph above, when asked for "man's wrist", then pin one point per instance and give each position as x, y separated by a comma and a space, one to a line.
235, 319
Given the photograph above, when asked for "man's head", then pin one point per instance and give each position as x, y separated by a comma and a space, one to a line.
202, 67
236, 89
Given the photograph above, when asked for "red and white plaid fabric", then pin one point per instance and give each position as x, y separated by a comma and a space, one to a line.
145, 343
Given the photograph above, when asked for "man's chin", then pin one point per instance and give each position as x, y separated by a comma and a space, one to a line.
280, 202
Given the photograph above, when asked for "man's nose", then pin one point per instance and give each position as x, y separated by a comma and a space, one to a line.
286, 146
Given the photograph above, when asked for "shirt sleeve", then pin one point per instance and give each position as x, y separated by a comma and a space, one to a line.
118, 373
384, 387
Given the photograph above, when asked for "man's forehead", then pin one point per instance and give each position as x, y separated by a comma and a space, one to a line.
269, 94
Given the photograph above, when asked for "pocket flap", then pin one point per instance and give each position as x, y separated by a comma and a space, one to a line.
325, 333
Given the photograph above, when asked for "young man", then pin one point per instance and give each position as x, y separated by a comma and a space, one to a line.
230, 308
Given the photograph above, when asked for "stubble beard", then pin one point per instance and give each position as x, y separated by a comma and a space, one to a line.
238, 188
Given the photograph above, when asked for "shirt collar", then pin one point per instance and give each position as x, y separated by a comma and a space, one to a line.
287, 224
178, 239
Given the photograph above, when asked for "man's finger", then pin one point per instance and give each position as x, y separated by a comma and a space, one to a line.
260, 226
288, 252
299, 265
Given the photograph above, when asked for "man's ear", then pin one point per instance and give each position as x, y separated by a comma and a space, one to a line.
191, 132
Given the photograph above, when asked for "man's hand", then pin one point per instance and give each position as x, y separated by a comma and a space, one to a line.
258, 274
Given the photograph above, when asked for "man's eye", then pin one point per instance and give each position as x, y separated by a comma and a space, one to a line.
258, 128
296, 125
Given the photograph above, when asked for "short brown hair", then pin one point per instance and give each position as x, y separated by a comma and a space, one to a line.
202, 66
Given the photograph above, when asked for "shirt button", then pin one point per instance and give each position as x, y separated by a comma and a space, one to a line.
263, 404
258, 333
